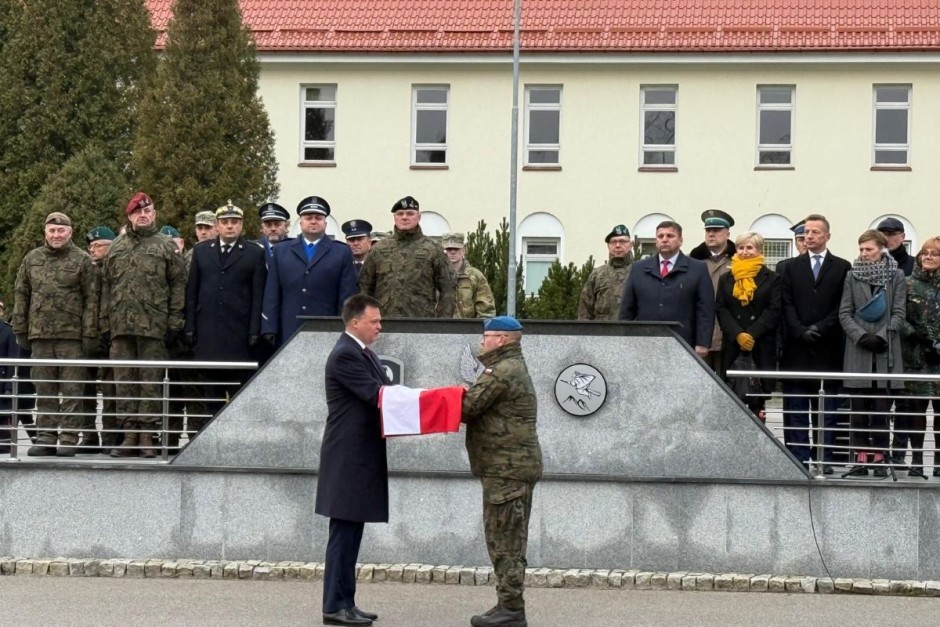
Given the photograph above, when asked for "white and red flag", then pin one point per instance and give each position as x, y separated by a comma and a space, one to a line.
414, 411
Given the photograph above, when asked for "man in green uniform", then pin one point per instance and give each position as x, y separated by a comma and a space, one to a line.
143, 293
503, 446
600, 296
408, 273
55, 316
474, 298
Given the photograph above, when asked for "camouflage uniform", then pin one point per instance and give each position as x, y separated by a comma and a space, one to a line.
410, 277
600, 296
105, 385
142, 295
503, 446
474, 298
188, 259
56, 308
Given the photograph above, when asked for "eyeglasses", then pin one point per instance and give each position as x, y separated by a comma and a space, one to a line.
930, 253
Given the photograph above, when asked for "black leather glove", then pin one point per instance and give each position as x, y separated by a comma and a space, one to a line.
811, 334
171, 338
270, 338
23, 340
873, 343
252, 340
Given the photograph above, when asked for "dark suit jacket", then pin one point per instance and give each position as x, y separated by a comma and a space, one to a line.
297, 287
759, 318
808, 301
685, 296
353, 479
223, 299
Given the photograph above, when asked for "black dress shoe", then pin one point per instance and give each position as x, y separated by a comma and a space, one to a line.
857, 471
827, 470
365, 614
345, 617
881, 471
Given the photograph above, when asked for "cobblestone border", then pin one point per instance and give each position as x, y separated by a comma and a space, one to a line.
463, 576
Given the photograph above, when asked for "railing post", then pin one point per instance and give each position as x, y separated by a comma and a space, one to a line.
14, 416
164, 454
821, 430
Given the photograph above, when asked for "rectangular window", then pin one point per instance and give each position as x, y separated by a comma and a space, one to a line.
429, 124
776, 250
658, 126
892, 125
538, 257
542, 125
319, 111
774, 126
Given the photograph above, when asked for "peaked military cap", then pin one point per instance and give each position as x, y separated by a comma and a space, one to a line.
717, 219
452, 240
273, 211
502, 323
206, 218
408, 202
313, 204
891, 225
169, 230
229, 211
356, 228
99, 232
57, 217
618, 231
799, 229
139, 201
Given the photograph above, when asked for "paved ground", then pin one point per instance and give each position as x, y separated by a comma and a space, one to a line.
26, 601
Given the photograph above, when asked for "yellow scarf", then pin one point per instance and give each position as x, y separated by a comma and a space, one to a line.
744, 271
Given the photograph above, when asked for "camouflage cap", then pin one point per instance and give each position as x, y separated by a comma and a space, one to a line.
452, 240
57, 217
206, 218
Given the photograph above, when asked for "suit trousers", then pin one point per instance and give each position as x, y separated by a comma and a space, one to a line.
799, 398
339, 576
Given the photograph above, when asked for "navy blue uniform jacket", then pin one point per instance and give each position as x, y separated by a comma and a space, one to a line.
223, 300
297, 287
353, 479
685, 295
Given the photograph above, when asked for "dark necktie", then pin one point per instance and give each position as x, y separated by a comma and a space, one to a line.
226, 248
817, 264
374, 359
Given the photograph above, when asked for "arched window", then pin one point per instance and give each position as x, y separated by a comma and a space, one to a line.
910, 235
644, 234
778, 238
540, 239
434, 224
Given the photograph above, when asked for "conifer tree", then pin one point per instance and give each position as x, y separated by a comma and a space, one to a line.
70, 73
489, 253
557, 298
204, 135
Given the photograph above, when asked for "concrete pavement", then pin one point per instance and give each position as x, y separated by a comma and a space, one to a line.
75, 601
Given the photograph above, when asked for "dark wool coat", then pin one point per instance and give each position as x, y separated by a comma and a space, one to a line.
759, 318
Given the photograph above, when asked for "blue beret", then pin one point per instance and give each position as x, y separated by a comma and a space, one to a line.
502, 323
169, 230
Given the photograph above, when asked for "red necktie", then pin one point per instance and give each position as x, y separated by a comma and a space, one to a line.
665, 269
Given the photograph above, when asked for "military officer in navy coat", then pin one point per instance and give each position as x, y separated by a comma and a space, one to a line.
224, 294
275, 222
311, 275
358, 237
352, 485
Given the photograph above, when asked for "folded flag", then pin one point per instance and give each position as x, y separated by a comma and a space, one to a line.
414, 411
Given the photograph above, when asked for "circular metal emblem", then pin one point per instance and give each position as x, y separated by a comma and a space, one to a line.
580, 389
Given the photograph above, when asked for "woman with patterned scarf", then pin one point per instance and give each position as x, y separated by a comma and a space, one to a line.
871, 313
748, 307
920, 346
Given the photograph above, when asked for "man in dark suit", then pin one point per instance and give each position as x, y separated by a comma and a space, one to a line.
223, 306
672, 287
358, 238
812, 291
352, 488
311, 275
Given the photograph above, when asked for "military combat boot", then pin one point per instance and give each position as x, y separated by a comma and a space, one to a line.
90, 444
499, 616
45, 445
146, 445
128, 447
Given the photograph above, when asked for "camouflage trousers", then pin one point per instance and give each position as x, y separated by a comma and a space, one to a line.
59, 391
507, 504
139, 390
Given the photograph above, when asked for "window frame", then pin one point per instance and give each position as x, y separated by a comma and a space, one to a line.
537, 257
891, 106
664, 148
788, 148
317, 104
416, 106
771, 261
529, 146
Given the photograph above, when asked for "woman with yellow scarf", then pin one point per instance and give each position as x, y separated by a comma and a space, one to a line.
748, 306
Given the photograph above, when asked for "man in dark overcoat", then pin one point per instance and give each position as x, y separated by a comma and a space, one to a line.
352, 487
311, 275
671, 286
223, 306
811, 286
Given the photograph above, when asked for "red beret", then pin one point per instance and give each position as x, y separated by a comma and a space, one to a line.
139, 201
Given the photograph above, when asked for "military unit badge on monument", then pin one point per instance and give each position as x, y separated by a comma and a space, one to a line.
580, 389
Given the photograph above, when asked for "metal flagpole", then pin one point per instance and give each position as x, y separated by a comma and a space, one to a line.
513, 162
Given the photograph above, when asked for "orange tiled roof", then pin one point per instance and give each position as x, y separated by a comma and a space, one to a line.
586, 25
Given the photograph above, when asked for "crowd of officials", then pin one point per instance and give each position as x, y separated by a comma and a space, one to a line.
141, 295
816, 312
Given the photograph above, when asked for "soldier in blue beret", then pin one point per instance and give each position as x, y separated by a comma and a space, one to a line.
358, 238
502, 323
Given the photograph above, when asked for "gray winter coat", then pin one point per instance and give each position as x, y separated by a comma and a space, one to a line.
855, 294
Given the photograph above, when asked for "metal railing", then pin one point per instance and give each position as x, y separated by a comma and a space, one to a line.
824, 426
183, 391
